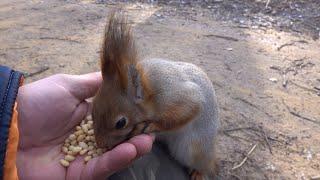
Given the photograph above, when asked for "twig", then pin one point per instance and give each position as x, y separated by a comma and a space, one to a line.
267, 4
305, 118
299, 115
284, 45
41, 70
234, 136
315, 177
259, 131
246, 101
237, 177
13, 48
216, 83
246, 158
222, 37
253, 105
274, 139
60, 39
304, 87
292, 43
278, 68
237, 129
266, 139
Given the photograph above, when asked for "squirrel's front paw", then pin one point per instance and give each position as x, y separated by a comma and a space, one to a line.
196, 175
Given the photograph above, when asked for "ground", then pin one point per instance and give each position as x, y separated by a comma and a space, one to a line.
262, 57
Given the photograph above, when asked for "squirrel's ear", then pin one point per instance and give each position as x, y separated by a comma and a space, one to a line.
135, 87
118, 50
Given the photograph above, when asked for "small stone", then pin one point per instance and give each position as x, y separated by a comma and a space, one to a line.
273, 79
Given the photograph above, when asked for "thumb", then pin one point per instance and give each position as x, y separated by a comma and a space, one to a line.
110, 162
84, 86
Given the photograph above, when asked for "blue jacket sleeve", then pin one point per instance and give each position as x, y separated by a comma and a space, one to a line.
10, 81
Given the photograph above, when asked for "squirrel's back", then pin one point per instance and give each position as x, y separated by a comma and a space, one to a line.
172, 79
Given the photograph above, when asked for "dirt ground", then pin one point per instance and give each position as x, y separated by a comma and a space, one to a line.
266, 73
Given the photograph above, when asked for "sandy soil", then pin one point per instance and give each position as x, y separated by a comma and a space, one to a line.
267, 81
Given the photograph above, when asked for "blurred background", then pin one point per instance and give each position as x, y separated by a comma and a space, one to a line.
263, 57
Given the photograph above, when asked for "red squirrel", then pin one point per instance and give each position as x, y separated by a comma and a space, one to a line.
174, 100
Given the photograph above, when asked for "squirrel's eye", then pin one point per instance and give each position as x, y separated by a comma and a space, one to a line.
121, 123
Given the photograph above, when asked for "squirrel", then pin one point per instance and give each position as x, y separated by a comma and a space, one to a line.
174, 100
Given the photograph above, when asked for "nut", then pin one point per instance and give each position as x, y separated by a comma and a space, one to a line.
64, 149
87, 158
84, 151
83, 145
72, 137
64, 163
69, 158
81, 142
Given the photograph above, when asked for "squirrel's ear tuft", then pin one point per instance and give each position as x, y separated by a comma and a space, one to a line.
118, 50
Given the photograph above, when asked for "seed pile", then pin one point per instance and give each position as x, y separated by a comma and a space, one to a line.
81, 142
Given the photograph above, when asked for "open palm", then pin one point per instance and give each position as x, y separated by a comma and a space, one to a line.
48, 111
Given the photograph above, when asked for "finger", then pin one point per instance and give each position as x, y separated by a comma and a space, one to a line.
74, 170
79, 114
84, 86
90, 106
110, 162
143, 143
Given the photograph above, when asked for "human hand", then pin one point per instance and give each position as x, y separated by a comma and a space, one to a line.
49, 109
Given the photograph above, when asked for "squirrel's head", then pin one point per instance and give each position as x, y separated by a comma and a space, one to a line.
120, 103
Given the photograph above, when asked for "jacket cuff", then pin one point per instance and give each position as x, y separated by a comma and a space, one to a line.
10, 82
